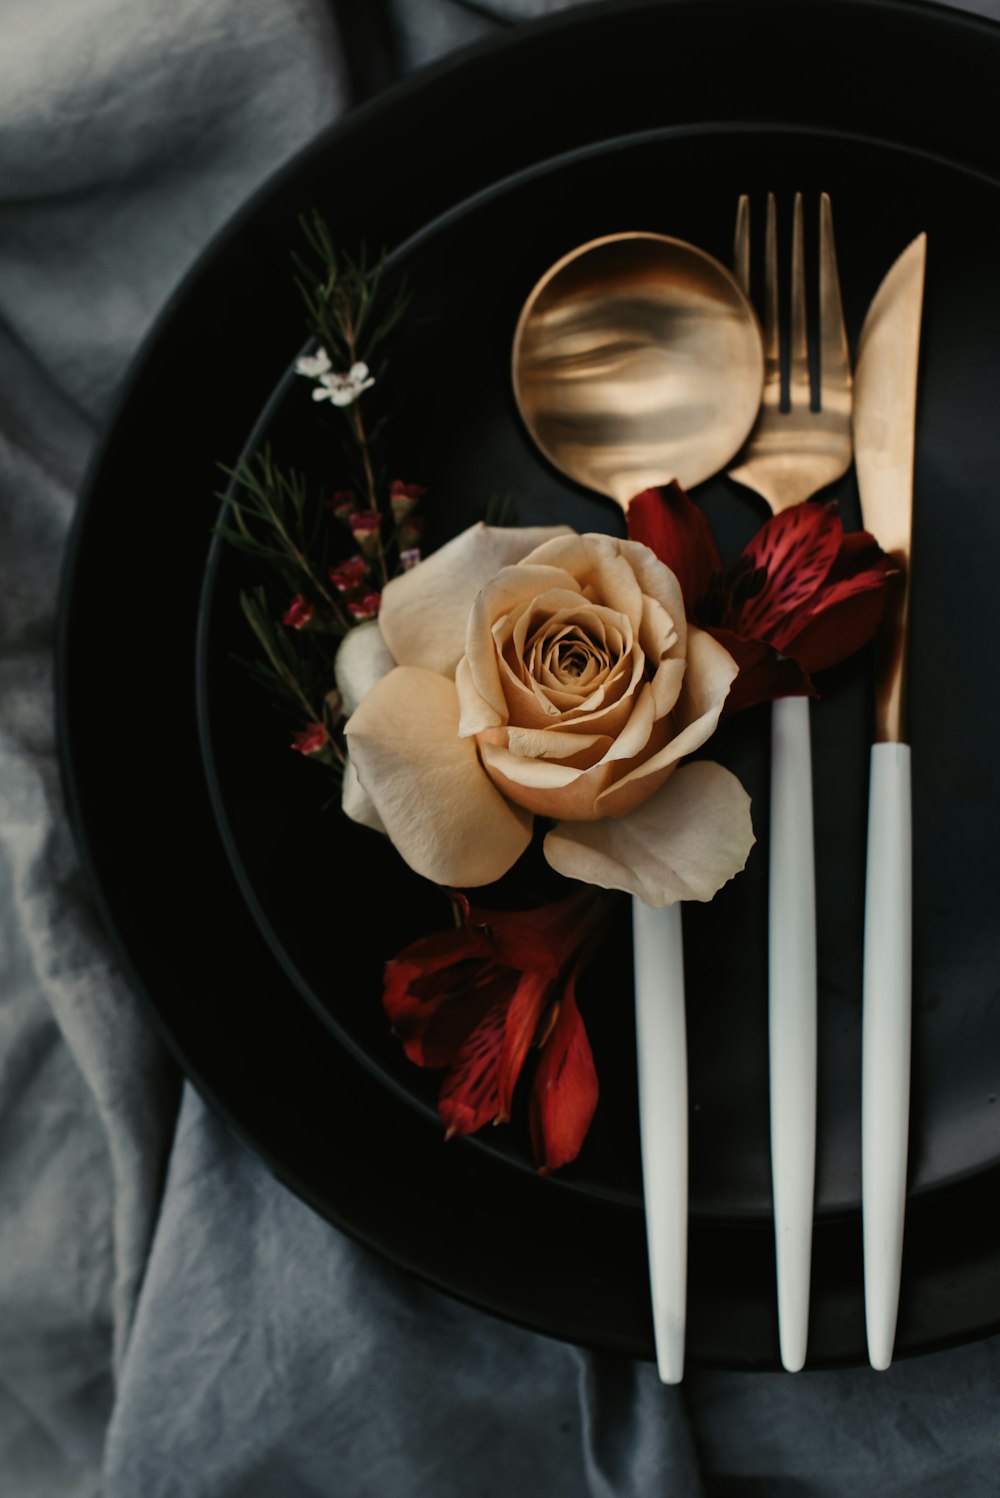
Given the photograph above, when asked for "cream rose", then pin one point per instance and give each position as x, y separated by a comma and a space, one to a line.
523, 673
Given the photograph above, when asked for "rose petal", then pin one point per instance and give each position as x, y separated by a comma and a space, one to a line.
602, 568
635, 735
425, 611
710, 673
667, 685
659, 583
507, 597
355, 801
517, 772
565, 1090
476, 714
442, 812
363, 658
569, 792
684, 843
659, 636
556, 743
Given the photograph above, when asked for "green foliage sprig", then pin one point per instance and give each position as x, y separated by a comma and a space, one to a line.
325, 557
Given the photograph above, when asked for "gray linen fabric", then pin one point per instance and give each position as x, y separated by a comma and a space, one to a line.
272, 1357
129, 132
172, 1321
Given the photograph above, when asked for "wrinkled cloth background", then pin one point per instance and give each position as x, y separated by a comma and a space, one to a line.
173, 1321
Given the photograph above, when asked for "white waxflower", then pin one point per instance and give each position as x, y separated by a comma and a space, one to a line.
314, 366
342, 390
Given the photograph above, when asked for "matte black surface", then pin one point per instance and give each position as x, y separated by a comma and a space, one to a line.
554, 1257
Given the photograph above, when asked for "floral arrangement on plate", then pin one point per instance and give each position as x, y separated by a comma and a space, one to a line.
517, 687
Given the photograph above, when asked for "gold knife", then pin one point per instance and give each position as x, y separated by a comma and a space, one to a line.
884, 422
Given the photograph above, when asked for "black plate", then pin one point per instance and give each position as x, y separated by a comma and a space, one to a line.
458, 432
554, 1258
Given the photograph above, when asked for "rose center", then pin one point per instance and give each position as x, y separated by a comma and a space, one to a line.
573, 655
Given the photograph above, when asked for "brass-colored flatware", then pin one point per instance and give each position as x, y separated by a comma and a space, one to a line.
792, 453
637, 360
885, 415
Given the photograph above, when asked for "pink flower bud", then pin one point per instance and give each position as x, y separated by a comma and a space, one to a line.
404, 498
311, 740
343, 504
365, 608
299, 612
365, 528
349, 575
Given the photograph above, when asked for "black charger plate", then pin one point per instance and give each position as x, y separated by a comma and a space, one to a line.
565, 1261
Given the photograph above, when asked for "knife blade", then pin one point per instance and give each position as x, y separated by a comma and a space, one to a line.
884, 424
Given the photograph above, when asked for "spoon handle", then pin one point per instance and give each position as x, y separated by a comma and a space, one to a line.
792, 1019
663, 1122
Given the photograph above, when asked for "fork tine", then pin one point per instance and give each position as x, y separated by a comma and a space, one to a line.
741, 245
798, 371
835, 359
772, 346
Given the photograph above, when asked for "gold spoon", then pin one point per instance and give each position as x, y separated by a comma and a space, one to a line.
638, 360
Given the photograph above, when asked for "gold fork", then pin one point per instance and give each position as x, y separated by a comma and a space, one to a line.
792, 454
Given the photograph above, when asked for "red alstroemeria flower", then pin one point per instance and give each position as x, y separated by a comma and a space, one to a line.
803, 595
476, 999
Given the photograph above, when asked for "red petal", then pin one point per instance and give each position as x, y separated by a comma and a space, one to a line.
782, 568
435, 1036
519, 1031
858, 551
673, 526
440, 950
841, 628
764, 674
846, 611
565, 1090
470, 1096
543, 939
438, 989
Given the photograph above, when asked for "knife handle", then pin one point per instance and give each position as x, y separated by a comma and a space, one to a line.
661, 1044
792, 1019
885, 1041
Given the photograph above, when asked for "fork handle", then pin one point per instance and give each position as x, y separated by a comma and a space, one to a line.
661, 1044
792, 1019
885, 1041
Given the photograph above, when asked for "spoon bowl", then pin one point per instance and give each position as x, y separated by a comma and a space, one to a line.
637, 360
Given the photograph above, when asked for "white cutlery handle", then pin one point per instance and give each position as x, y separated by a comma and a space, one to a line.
792, 1019
661, 1042
885, 1041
